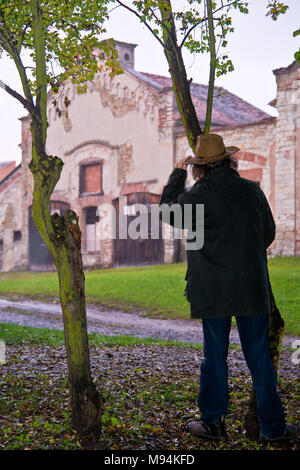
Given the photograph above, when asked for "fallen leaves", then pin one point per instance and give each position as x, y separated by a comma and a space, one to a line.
149, 391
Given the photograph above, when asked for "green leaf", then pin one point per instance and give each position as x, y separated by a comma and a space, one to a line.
297, 55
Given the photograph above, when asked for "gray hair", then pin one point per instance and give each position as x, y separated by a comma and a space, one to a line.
198, 171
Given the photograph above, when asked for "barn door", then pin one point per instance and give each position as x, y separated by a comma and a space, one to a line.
142, 251
40, 258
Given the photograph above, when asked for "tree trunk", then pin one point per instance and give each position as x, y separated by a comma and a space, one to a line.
85, 400
181, 85
62, 236
212, 68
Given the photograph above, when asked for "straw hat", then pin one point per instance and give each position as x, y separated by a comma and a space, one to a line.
210, 148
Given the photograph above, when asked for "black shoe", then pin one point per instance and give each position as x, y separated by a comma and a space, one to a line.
209, 431
291, 432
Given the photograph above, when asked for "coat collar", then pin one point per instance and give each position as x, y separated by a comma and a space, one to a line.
219, 172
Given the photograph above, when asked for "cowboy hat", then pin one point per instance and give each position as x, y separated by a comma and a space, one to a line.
210, 148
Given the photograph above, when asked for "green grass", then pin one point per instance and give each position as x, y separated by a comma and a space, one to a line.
15, 334
285, 281
156, 290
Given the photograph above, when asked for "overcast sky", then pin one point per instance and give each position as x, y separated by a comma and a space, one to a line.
258, 46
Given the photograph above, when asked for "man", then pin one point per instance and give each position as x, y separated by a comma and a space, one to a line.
228, 276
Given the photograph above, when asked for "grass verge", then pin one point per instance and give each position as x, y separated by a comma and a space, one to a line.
15, 334
155, 290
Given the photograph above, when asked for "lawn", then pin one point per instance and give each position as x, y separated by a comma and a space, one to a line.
155, 290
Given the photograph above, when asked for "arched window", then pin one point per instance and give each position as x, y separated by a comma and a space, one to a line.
126, 57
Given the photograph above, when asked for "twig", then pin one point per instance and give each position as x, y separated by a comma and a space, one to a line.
143, 21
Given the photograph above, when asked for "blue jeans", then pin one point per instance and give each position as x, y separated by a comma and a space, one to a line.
213, 395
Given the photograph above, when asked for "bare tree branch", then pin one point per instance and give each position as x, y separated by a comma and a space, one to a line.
190, 30
17, 95
20, 42
143, 21
11, 49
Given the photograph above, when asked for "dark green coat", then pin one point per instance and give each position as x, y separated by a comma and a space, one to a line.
228, 275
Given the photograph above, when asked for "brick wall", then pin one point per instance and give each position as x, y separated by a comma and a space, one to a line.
91, 178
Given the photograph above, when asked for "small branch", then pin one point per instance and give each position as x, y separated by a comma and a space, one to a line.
41, 74
212, 71
190, 30
18, 97
203, 20
20, 42
114, 8
142, 21
13, 53
225, 6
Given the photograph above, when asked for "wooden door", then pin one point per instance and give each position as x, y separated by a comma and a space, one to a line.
140, 251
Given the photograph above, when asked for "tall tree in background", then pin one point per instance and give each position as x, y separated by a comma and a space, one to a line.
36, 35
202, 26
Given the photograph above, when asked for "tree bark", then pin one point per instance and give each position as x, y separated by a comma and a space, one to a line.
181, 85
212, 68
86, 402
62, 236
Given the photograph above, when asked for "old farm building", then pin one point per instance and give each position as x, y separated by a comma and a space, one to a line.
122, 138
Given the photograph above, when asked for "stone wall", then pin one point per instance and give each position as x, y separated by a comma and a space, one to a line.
14, 248
287, 193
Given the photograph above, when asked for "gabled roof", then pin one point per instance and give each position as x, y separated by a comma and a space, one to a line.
8, 175
6, 168
228, 109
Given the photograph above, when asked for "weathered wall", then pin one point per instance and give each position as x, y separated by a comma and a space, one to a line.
287, 193
121, 122
13, 252
120, 112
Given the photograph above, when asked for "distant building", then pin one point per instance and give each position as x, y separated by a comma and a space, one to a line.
122, 138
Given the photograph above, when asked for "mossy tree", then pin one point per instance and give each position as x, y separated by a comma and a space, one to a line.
202, 26
36, 35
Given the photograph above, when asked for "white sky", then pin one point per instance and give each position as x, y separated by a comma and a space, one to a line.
258, 46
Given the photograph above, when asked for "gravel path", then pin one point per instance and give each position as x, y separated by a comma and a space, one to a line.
108, 322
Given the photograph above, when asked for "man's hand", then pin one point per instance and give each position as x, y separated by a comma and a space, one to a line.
182, 163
